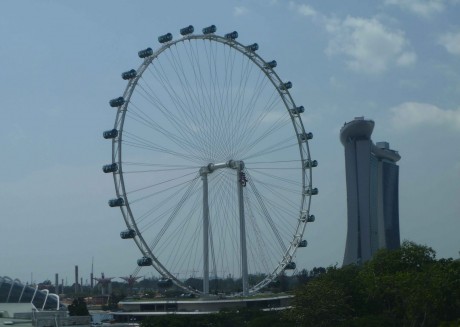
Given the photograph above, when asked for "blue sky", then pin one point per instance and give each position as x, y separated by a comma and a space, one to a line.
394, 61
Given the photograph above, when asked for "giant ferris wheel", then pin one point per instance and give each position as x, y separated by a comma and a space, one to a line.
211, 162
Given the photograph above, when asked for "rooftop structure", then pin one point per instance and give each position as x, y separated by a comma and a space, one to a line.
136, 311
24, 305
13, 291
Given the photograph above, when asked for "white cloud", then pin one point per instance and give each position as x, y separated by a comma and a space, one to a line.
369, 46
303, 9
451, 41
424, 8
406, 59
414, 114
240, 11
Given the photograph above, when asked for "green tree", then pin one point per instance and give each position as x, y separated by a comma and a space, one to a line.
402, 287
401, 284
321, 302
78, 307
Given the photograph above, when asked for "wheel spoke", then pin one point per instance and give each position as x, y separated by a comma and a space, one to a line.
197, 106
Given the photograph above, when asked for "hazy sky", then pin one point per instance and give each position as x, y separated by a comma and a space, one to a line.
394, 61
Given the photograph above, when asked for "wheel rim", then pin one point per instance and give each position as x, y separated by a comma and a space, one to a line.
201, 100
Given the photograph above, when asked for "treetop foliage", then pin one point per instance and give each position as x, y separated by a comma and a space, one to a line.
78, 307
402, 287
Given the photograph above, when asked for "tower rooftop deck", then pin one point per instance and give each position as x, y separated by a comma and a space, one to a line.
357, 128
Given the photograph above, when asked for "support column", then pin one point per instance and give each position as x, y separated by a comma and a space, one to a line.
244, 257
204, 171
204, 177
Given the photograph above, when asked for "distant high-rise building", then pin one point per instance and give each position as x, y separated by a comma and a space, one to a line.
372, 192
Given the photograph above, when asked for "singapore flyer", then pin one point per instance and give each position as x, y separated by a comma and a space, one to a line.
211, 162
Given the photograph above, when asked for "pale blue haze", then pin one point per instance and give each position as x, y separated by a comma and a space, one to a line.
394, 61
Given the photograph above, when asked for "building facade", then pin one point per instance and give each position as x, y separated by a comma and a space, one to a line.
14, 291
24, 305
372, 178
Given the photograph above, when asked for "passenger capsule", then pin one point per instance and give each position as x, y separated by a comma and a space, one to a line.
311, 163
312, 191
305, 136
126, 234
286, 86
110, 168
233, 35
303, 244
145, 53
311, 219
271, 64
297, 110
253, 47
111, 134
116, 202
117, 102
144, 261
290, 266
165, 38
129, 74
210, 29
187, 30
165, 282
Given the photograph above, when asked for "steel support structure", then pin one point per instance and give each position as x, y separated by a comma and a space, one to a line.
204, 171
204, 177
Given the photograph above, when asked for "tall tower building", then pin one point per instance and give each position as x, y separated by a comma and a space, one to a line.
372, 192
